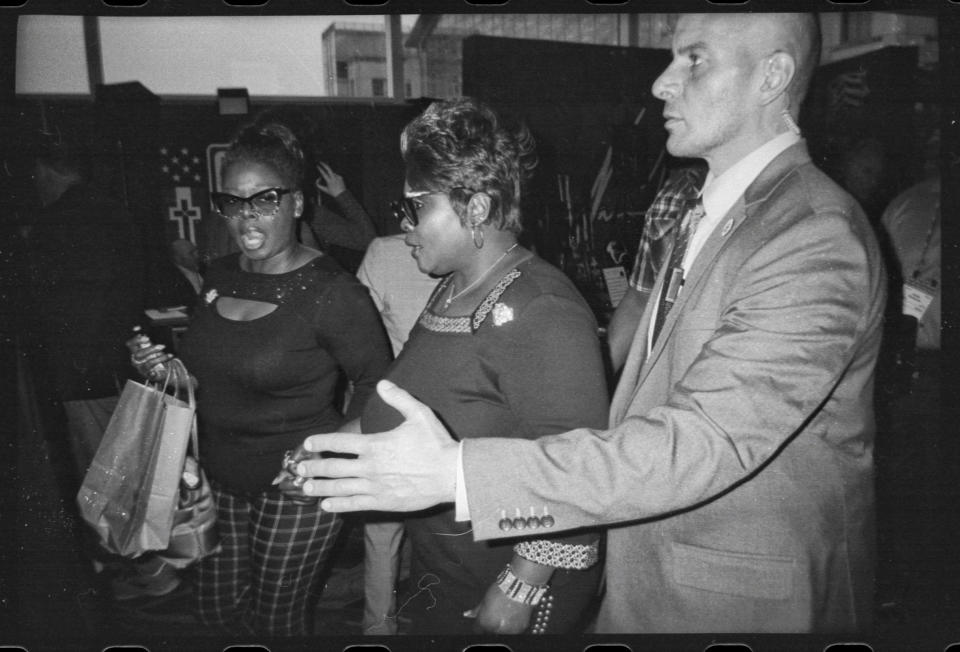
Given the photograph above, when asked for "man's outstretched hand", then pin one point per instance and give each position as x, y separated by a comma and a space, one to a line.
412, 467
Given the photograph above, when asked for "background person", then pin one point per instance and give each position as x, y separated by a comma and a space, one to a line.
481, 354
87, 291
913, 460
87, 288
181, 279
864, 173
346, 227
400, 291
397, 286
277, 324
186, 259
738, 463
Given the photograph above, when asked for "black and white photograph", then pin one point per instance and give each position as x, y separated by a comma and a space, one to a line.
536, 325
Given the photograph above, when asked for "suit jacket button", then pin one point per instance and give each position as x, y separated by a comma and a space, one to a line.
547, 521
519, 523
533, 522
506, 524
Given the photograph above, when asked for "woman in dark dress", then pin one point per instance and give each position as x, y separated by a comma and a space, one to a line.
501, 327
275, 326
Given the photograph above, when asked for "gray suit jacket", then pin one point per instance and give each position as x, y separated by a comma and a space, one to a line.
738, 467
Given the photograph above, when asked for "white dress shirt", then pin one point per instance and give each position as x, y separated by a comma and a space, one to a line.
722, 192
719, 195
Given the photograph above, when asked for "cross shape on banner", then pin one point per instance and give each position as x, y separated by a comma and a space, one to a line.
184, 213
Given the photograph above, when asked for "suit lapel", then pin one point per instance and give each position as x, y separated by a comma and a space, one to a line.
750, 204
627, 384
703, 263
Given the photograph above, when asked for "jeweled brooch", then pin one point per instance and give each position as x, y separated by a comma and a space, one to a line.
502, 314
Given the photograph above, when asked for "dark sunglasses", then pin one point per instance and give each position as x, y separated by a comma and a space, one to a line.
405, 208
265, 203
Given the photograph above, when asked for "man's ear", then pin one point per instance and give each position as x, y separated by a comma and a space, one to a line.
778, 71
478, 209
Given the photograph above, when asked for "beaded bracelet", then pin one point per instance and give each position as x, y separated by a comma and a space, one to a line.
517, 590
559, 555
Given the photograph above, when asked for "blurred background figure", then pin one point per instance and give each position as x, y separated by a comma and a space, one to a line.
400, 291
347, 226
180, 280
186, 258
912, 472
398, 287
863, 173
87, 290
661, 220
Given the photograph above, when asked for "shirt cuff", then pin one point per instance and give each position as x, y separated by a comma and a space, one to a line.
461, 510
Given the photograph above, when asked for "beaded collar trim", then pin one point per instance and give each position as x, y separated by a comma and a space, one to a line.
268, 288
472, 323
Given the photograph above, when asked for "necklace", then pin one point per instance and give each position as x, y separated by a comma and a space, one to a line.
454, 296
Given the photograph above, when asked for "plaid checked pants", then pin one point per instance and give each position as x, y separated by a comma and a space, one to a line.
273, 550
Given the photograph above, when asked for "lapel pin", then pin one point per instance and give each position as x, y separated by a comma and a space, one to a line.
727, 227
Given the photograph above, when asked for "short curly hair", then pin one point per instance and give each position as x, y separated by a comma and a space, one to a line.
461, 147
272, 144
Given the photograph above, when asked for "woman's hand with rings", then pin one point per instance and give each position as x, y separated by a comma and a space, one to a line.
146, 360
329, 181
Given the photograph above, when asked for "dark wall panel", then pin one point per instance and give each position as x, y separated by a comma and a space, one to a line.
867, 104
8, 57
579, 101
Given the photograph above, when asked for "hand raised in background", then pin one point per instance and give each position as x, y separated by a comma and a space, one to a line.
329, 181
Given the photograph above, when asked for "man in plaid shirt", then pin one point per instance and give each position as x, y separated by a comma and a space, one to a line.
658, 232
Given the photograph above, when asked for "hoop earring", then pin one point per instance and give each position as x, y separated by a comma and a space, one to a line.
477, 237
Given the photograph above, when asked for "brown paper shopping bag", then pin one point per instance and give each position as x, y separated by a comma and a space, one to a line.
130, 491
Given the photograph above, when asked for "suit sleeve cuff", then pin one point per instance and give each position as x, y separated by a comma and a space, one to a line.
462, 510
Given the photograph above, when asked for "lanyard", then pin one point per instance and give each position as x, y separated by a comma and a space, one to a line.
926, 245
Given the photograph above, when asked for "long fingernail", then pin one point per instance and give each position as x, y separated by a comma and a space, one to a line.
301, 469
307, 487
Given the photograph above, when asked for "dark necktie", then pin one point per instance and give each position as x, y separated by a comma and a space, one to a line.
674, 279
